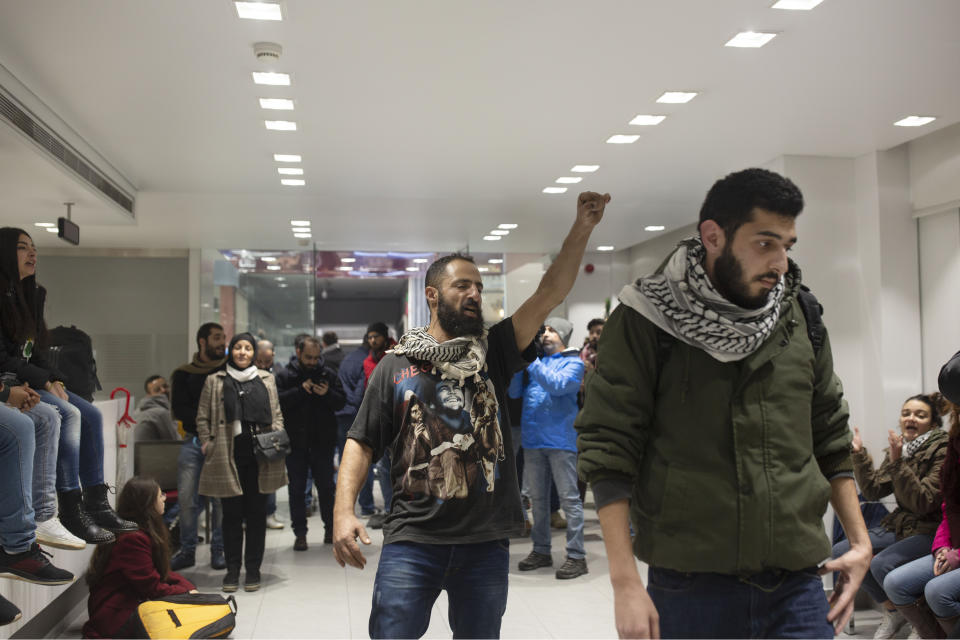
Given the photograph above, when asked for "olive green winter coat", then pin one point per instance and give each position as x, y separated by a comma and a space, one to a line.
728, 462
914, 482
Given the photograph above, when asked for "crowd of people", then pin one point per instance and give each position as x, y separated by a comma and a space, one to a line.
462, 423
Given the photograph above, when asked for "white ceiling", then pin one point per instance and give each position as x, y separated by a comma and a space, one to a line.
424, 123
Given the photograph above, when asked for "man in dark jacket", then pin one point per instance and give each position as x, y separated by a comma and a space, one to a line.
186, 385
333, 355
310, 395
716, 424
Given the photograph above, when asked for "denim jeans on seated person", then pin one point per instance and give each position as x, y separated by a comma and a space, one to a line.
46, 423
772, 604
889, 553
80, 458
17, 525
411, 576
905, 585
189, 465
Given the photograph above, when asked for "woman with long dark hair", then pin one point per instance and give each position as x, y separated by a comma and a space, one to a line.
235, 404
86, 514
136, 567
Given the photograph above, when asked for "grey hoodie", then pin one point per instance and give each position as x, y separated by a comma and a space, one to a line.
154, 420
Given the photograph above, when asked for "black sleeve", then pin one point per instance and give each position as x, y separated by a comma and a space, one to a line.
183, 409
374, 425
950, 379
503, 357
38, 377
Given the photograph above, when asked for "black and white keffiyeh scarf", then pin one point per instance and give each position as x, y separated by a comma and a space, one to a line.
457, 359
682, 301
914, 445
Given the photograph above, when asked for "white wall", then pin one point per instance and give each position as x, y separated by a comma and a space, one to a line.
940, 273
935, 169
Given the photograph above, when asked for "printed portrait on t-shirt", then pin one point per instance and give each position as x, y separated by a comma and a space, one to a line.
451, 441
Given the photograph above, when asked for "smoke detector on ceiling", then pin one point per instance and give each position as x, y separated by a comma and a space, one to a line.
267, 51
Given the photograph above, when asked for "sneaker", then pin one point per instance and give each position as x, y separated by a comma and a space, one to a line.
376, 521
217, 560
890, 625
53, 534
182, 561
32, 566
251, 581
231, 581
557, 521
273, 523
572, 568
300, 544
535, 561
8, 612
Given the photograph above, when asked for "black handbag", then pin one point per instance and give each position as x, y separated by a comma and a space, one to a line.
271, 445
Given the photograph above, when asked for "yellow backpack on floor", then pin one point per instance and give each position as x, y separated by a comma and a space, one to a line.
187, 615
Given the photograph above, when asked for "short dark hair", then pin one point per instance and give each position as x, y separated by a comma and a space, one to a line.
731, 200
203, 333
299, 338
434, 276
596, 322
329, 338
308, 340
146, 384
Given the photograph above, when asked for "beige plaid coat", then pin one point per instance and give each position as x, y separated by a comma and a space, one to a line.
219, 477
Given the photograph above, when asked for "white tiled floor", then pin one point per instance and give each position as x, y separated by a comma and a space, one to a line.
307, 595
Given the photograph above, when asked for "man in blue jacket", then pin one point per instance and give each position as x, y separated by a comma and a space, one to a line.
550, 445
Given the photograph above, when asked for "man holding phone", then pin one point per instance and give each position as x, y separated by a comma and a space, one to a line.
310, 396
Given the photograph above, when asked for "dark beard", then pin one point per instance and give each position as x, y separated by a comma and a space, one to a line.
456, 323
730, 283
212, 354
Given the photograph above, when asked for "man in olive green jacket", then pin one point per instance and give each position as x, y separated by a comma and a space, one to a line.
715, 425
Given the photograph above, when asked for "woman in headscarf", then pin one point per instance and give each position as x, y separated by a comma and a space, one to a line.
236, 403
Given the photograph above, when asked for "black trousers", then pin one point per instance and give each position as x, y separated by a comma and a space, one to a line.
319, 461
252, 507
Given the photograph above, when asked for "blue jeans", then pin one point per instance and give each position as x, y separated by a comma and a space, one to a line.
411, 576
906, 584
367, 505
80, 459
189, 465
16, 477
539, 466
46, 423
890, 554
271, 503
771, 604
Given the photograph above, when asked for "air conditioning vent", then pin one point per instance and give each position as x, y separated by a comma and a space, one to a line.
36, 131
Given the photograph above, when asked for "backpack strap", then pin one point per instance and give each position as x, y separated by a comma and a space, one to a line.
813, 314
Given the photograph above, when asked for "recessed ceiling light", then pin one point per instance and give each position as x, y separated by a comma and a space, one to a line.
647, 121
585, 168
796, 5
52, 229
491, 238
283, 285
677, 97
44, 224
420, 260
258, 10
299, 223
271, 78
499, 232
281, 125
286, 157
605, 247
568, 180
620, 138
290, 171
268, 259
413, 268
274, 267
654, 227
282, 104
483, 269
292, 182
344, 268
555, 190
279, 279
348, 260
750, 39
495, 260
506, 225
302, 235
914, 121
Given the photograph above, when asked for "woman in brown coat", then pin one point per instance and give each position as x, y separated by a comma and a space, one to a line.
234, 404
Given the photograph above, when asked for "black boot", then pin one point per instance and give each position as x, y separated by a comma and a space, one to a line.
78, 522
96, 504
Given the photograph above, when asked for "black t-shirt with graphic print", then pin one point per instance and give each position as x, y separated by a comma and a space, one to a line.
453, 472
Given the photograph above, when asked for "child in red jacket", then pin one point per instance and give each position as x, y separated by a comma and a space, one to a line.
136, 567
